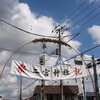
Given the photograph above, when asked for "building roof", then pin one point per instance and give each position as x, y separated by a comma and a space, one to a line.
56, 89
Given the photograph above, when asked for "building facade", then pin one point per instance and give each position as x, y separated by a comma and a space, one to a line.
53, 93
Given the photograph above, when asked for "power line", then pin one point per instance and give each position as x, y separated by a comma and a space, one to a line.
73, 37
83, 52
37, 56
25, 30
18, 51
5, 13
69, 35
12, 35
70, 14
84, 17
77, 8
2, 11
91, 18
79, 13
30, 84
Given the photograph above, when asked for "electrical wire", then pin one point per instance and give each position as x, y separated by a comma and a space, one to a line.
91, 18
62, 37
70, 14
30, 84
37, 56
84, 17
12, 36
18, 51
77, 8
25, 30
73, 37
79, 13
5, 11
83, 52
83, 24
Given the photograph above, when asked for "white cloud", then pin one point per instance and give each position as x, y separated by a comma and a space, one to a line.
94, 31
4, 55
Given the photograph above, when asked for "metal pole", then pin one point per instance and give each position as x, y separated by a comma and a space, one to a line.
61, 83
95, 79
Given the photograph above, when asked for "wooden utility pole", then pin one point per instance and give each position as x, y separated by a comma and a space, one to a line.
42, 62
95, 79
61, 83
42, 90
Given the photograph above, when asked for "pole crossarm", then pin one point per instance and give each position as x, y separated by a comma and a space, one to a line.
51, 40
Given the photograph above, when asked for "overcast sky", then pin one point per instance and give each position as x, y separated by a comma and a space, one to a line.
41, 17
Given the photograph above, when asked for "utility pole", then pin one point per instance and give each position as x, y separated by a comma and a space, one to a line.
20, 87
42, 90
42, 62
95, 79
79, 62
61, 83
83, 88
83, 83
